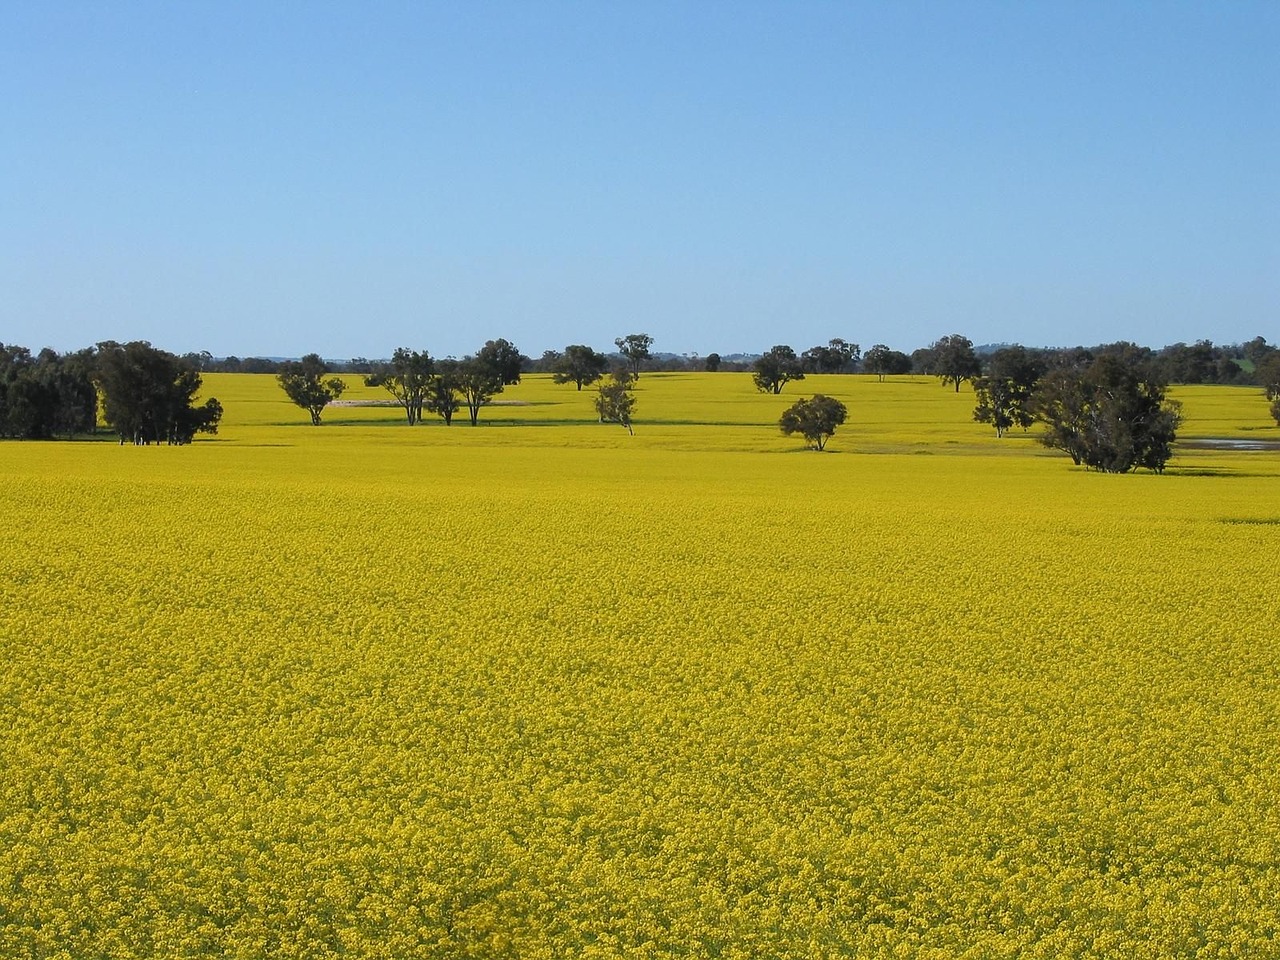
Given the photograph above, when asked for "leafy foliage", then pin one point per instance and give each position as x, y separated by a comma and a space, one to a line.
409, 378
442, 396
815, 420
953, 360
47, 395
1110, 416
148, 395
882, 361
304, 383
580, 365
634, 348
1005, 391
838, 356
614, 401
777, 367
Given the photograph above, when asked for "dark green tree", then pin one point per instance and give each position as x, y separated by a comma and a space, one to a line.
712, 362
634, 348
442, 394
503, 359
408, 378
953, 361
816, 419
477, 381
778, 366
838, 356
1111, 415
304, 382
876, 360
579, 364
1004, 392
148, 395
47, 395
1266, 374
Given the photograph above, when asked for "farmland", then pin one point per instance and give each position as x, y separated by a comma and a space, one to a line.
541, 689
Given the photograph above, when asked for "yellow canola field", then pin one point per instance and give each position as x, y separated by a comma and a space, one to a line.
542, 689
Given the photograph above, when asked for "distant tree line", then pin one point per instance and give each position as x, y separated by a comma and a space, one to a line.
145, 395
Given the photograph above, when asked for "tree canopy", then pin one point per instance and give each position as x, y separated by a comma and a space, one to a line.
1005, 391
634, 348
953, 360
578, 364
148, 395
838, 356
409, 378
46, 395
614, 399
303, 381
776, 368
815, 419
1110, 415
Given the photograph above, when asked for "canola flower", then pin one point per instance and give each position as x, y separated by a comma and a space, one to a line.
541, 689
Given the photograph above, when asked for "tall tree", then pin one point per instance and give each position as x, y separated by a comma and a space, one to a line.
305, 383
634, 348
478, 378
953, 360
1111, 416
1004, 392
408, 378
776, 368
876, 360
442, 393
579, 364
148, 395
503, 359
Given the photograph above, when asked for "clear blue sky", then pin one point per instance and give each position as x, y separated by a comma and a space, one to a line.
273, 178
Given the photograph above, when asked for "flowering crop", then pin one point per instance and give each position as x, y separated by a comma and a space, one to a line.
541, 689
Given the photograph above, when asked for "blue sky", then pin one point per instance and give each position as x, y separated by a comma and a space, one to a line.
276, 178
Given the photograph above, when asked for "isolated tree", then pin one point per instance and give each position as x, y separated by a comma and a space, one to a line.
775, 368
148, 395
953, 360
838, 356
711, 363
1004, 392
815, 420
614, 400
408, 378
579, 364
1110, 416
304, 382
634, 348
442, 392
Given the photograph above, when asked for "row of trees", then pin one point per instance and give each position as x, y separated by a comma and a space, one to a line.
146, 395
1200, 362
421, 384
